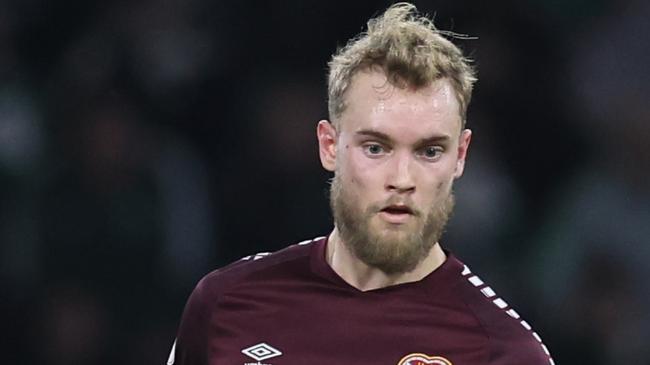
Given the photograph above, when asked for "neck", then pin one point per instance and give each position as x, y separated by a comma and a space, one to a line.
364, 277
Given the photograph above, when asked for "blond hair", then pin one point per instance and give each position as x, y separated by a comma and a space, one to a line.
409, 50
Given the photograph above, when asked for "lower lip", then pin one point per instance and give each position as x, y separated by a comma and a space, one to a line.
394, 218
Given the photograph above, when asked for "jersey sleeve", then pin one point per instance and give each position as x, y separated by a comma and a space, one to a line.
191, 346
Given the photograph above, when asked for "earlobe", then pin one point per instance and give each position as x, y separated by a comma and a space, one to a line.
327, 138
463, 146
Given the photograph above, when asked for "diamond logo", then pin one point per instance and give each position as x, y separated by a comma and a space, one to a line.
261, 351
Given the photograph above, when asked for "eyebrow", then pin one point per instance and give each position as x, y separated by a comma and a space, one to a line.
386, 138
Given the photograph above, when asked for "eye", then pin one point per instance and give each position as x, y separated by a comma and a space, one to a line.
431, 152
373, 149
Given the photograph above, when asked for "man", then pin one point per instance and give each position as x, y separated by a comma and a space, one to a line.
379, 289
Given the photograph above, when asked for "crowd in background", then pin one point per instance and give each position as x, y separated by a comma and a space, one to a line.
145, 143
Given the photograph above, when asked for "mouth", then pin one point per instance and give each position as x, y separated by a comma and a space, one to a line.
398, 209
396, 214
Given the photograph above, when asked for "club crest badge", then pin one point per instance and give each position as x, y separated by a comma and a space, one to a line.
422, 359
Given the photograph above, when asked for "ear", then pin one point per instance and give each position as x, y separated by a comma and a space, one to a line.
463, 146
327, 139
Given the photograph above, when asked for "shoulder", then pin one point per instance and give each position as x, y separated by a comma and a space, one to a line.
264, 264
512, 339
257, 271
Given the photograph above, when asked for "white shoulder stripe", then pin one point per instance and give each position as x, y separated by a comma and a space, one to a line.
501, 304
475, 280
258, 256
172, 355
512, 313
488, 292
546, 350
310, 241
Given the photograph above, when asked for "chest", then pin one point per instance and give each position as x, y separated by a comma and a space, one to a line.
343, 328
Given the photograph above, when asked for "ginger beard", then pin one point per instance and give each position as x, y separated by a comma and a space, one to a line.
391, 250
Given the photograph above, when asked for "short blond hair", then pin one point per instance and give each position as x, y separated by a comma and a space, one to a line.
409, 49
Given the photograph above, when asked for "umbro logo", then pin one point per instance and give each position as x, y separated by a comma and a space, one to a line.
261, 351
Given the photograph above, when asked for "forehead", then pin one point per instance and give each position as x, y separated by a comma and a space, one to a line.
372, 102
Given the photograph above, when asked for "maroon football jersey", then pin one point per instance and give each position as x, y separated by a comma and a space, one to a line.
291, 308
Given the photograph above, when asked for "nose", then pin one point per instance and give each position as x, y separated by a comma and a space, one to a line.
400, 177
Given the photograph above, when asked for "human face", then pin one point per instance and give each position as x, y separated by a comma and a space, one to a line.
395, 154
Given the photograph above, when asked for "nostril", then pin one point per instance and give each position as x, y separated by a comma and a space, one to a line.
400, 188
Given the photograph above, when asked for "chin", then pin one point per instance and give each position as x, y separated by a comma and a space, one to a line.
395, 233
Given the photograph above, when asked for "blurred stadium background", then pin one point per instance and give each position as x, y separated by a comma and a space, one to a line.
144, 143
